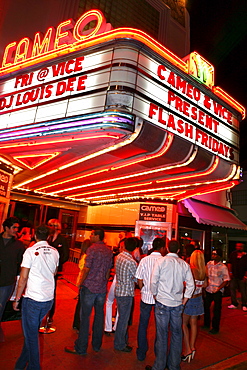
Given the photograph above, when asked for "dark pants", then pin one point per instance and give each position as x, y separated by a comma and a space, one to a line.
5, 294
145, 312
89, 301
124, 308
76, 321
208, 299
238, 284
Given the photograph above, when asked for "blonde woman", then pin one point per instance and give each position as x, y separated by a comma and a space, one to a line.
84, 246
194, 306
58, 241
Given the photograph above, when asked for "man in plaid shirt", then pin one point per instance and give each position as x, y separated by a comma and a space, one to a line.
125, 285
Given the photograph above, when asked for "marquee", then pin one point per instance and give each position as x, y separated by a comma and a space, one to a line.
110, 88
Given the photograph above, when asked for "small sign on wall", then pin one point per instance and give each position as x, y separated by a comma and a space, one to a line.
4, 182
152, 212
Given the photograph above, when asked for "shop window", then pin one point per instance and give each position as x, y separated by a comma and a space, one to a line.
219, 240
52, 212
28, 214
186, 236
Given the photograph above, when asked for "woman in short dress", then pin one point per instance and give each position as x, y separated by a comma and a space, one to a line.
194, 306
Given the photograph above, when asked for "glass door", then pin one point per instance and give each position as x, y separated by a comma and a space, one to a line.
68, 221
149, 230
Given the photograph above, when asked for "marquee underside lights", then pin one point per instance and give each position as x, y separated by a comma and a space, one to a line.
122, 182
112, 115
35, 160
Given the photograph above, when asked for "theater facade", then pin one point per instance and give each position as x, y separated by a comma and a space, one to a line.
112, 128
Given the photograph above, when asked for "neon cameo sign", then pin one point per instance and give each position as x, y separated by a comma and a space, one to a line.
68, 33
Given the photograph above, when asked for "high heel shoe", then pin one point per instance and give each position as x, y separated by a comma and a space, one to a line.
186, 358
193, 354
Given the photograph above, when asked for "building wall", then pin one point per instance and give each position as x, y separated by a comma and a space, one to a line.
116, 219
166, 21
239, 198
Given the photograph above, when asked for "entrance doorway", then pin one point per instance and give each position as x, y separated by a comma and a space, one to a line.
36, 214
149, 230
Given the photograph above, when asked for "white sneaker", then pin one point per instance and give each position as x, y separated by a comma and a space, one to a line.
232, 306
244, 308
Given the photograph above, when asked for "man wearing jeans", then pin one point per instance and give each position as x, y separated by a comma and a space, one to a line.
169, 278
95, 275
125, 285
38, 268
143, 275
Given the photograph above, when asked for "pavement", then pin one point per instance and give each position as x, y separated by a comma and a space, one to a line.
225, 350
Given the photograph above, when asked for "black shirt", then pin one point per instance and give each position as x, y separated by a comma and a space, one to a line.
61, 244
10, 259
239, 265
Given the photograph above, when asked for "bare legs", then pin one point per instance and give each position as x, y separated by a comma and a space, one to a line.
186, 320
193, 331
189, 336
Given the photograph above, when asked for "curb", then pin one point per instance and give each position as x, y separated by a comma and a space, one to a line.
229, 363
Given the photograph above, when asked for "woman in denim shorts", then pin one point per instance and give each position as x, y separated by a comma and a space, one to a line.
194, 306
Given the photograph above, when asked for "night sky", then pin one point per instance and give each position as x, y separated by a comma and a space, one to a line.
219, 34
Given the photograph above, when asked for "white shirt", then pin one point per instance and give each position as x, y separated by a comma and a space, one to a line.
42, 260
167, 280
144, 272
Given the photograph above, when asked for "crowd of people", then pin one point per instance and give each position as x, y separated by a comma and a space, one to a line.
178, 290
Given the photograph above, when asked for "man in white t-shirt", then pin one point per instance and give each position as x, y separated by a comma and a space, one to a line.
38, 267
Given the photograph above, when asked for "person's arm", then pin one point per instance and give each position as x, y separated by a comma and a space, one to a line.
140, 273
108, 274
21, 286
184, 301
190, 285
245, 274
224, 283
140, 283
225, 279
84, 274
206, 278
65, 248
229, 266
87, 265
132, 270
155, 279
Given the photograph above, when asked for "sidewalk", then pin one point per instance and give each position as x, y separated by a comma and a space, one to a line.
226, 350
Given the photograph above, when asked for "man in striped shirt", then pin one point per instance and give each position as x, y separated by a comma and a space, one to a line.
143, 275
125, 284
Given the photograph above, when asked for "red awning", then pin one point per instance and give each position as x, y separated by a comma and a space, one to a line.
206, 213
